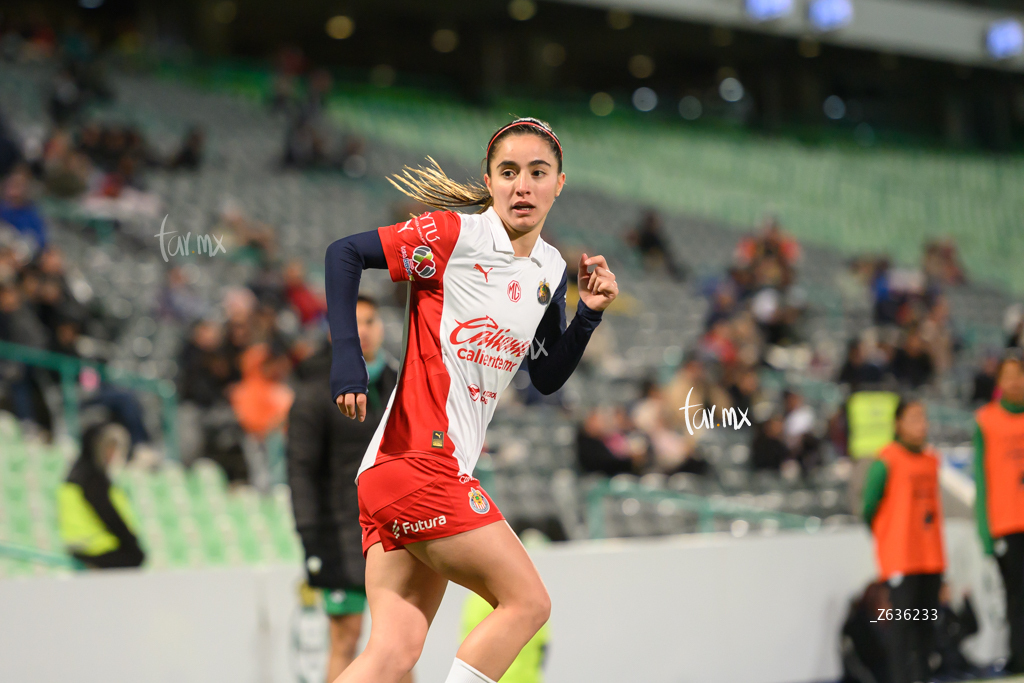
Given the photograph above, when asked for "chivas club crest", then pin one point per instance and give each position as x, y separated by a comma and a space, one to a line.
478, 502
543, 293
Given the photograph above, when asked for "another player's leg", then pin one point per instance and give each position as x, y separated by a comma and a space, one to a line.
403, 595
491, 562
345, 630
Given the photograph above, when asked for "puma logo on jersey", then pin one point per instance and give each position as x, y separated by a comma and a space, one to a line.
477, 266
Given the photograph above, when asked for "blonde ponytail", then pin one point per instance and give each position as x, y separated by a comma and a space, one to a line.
429, 185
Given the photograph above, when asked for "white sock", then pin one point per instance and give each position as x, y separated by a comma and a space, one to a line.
464, 673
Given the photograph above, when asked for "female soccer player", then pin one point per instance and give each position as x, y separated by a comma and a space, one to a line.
903, 506
486, 293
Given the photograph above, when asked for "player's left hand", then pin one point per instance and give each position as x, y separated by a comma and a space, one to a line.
598, 287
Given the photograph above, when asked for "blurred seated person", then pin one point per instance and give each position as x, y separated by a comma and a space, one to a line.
66, 172
650, 241
912, 364
18, 209
771, 242
603, 447
951, 629
94, 516
744, 390
178, 299
856, 370
864, 637
768, 450
692, 374
671, 451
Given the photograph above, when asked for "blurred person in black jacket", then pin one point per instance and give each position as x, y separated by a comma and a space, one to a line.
865, 659
951, 629
324, 453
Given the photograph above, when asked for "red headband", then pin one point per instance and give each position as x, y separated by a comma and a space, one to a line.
524, 123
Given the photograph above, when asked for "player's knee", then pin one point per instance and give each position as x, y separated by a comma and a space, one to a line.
401, 650
537, 608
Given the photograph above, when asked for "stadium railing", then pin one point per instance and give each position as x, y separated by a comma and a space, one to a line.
69, 368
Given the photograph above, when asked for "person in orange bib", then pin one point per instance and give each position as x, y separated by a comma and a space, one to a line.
903, 507
999, 479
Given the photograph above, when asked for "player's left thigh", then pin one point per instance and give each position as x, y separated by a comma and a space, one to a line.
491, 562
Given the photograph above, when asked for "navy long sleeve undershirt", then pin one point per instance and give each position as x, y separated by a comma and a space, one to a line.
346, 260
556, 350
562, 348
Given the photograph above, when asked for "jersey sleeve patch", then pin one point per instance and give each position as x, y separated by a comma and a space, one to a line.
418, 249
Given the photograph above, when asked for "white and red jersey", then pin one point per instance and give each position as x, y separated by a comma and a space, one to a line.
475, 308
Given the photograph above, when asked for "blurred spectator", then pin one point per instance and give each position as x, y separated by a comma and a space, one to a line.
190, 155
985, 379
951, 629
912, 365
179, 300
10, 150
261, 401
717, 343
941, 263
204, 367
856, 370
246, 239
18, 209
865, 659
671, 450
768, 450
66, 97
307, 305
771, 243
938, 336
649, 239
705, 391
603, 447
204, 373
94, 516
66, 172
798, 431
744, 391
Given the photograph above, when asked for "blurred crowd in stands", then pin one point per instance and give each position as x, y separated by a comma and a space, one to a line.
243, 343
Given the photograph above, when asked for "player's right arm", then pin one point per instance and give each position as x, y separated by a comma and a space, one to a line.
346, 260
416, 250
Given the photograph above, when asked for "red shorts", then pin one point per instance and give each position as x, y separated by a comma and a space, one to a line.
419, 498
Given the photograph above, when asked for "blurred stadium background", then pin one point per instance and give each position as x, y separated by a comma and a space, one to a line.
799, 199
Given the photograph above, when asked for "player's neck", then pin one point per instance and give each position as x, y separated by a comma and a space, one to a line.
523, 242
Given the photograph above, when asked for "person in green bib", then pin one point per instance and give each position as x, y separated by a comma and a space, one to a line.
999, 482
528, 666
94, 516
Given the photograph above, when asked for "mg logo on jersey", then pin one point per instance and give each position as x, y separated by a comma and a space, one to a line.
514, 291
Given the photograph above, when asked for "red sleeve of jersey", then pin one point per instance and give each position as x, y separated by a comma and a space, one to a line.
418, 249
